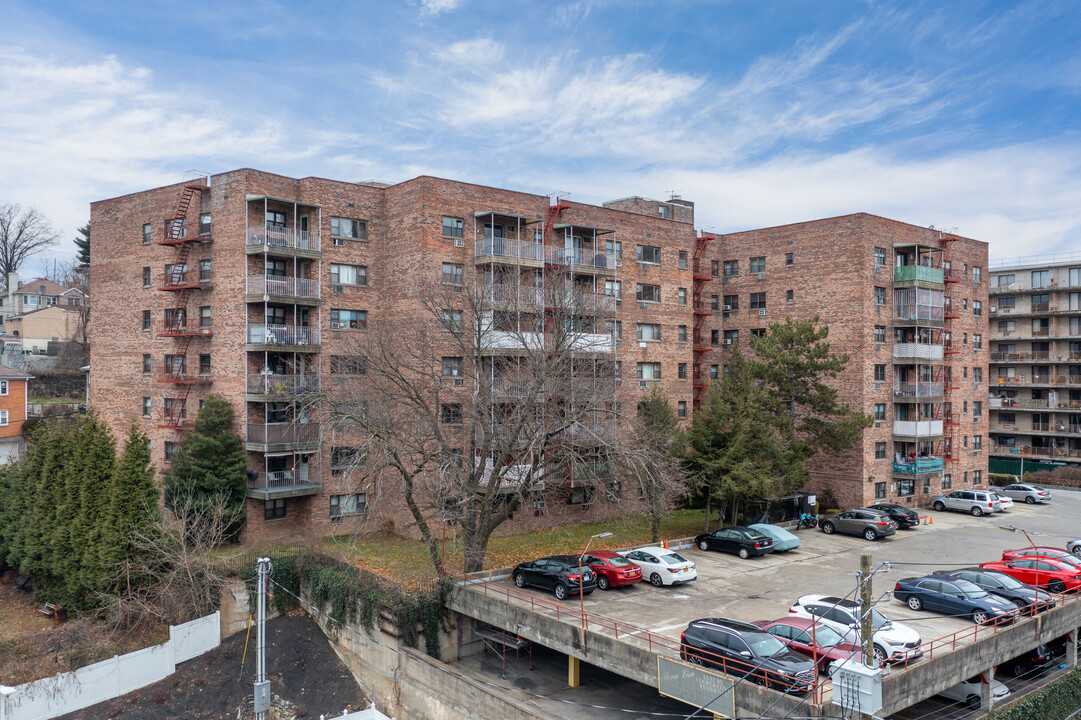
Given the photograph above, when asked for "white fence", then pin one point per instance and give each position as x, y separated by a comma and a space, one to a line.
66, 692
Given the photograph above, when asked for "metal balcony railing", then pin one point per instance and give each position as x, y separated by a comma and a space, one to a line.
917, 272
919, 351
917, 312
285, 286
291, 335
918, 389
260, 384
286, 433
917, 466
290, 238
282, 479
917, 428
508, 248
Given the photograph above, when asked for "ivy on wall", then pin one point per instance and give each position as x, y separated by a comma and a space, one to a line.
1054, 702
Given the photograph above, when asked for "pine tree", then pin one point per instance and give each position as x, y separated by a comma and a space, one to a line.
210, 461
83, 245
134, 502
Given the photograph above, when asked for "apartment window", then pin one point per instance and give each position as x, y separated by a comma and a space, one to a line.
758, 332
348, 365
204, 316
682, 259
349, 319
613, 288
649, 254
648, 293
146, 234
906, 488
714, 268
977, 341
146, 319
880, 411
681, 333
964, 441
353, 274
714, 302
681, 408
617, 329
170, 449
977, 308
790, 297
964, 477
1005, 280
612, 248
681, 296
880, 257
788, 259
146, 362
758, 265
731, 337
274, 509
731, 268
452, 367
977, 476
452, 227
348, 229
758, 301
976, 274
731, 302
275, 220
176, 319
3, 418
714, 372
880, 373
947, 482
1041, 278
977, 442
452, 321
977, 374
681, 371
650, 332
146, 407
452, 274
880, 295
146, 277
880, 451
649, 371
273, 267
450, 413
1006, 326
348, 505
714, 337
964, 303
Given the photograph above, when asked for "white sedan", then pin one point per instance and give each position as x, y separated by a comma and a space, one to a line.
969, 692
662, 566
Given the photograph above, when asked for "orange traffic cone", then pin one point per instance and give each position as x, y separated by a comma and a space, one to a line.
930, 520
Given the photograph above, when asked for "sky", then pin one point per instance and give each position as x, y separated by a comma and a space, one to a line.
962, 115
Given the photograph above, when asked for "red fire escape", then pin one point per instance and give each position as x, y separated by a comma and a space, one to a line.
699, 346
180, 280
950, 419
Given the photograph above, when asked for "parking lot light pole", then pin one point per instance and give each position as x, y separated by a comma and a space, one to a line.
1012, 528
581, 595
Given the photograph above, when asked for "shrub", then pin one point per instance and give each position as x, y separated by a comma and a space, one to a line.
1054, 702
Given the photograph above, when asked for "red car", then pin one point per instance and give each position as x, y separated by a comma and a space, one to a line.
612, 569
820, 643
1048, 552
1046, 572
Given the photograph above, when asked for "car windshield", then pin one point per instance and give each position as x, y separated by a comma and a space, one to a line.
764, 644
971, 590
826, 636
674, 559
879, 619
619, 562
755, 534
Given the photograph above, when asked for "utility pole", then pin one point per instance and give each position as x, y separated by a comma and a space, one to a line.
867, 642
261, 697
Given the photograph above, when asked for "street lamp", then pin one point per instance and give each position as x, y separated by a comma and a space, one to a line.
581, 595
1035, 559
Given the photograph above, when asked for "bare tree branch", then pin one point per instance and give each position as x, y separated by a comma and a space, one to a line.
23, 234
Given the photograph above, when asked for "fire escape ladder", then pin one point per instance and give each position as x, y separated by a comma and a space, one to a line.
699, 347
950, 419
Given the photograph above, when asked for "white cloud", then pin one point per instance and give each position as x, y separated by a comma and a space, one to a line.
472, 53
437, 6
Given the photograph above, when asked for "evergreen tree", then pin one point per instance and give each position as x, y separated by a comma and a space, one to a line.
134, 502
210, 462
83, 245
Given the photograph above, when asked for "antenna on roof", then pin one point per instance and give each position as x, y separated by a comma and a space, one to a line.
673, 195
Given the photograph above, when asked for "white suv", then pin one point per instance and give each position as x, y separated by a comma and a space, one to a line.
893, 641
977, 502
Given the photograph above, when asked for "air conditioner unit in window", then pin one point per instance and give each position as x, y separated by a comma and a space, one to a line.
994, 309
459, 288
761, 276
725, 280
458, 382
878, 268
641, 383
458, 242
539, 504
619, 303
337, 288
726, 341
761, 312
335, 326
727, 307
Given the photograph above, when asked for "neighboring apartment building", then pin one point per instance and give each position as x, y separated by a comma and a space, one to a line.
35, 295
264, 283
33, 331
1035, 387
13, 396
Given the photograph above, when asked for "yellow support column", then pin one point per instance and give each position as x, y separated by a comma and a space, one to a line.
574, 678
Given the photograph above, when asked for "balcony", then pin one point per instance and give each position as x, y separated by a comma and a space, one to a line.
295, 436
581, 258
918, 390
182, 329
917, 351
268, 238
508, 248
517, 342
282, 484
593, 343
202, 280
918, 314
1055, 428
180, 376
1039, 380
918, 466
908, 273
917, 428
512, 295
1016, 451
261, 286
302, 337
282, 386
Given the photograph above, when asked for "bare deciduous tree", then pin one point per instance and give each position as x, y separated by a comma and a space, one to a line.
494, 396
23, 233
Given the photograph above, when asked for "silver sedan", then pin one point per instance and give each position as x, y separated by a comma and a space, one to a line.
1025, 493
1074, 546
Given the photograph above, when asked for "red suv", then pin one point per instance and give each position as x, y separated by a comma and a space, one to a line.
612, 569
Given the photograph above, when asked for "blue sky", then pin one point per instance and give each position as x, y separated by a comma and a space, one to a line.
962, 114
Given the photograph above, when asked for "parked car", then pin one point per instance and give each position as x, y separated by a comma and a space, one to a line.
1004, 502
743, 649
1040, 571
905, 517
1028, 663
1024, 492
1049, 552
871, 524
558, 573
662, 566
812, 638
970, 692
1074, 546
893, 641
743, 541
977, 502
954, 597
612, 569
1028, 599
783, 541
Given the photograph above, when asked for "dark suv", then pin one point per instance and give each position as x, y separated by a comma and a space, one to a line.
741, 649
558, 573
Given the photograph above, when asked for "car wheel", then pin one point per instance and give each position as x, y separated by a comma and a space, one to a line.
519, 580
655, 580
826, 667
1030, 500
1019, 670
939, 506
879, 656
1076, 550
694, 659
1056, 586
870, 534
827, 527
973, 702
703, 545
915, 603
743, 553
979, 617
561, 592
602, 583
976, 511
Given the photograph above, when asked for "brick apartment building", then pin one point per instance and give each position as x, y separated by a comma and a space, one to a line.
266, 294
1036, 361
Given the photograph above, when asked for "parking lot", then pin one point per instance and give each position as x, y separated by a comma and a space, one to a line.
764, 588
